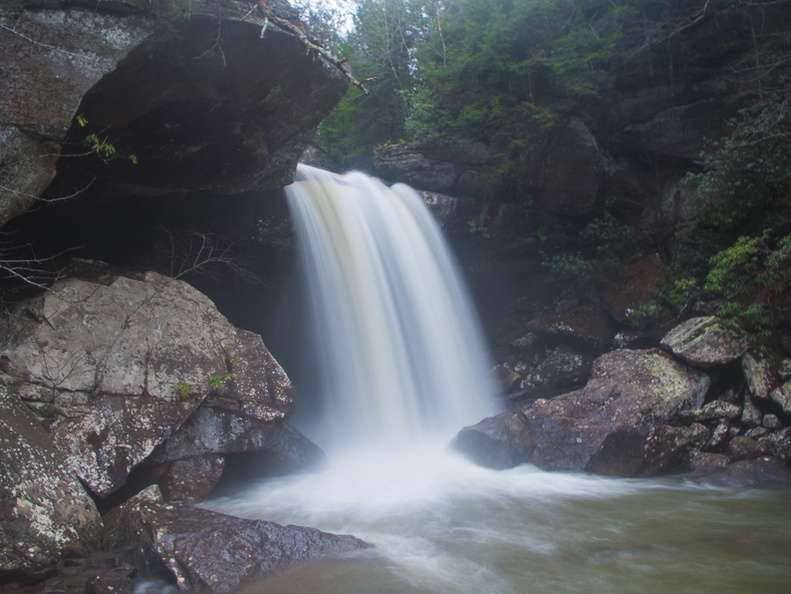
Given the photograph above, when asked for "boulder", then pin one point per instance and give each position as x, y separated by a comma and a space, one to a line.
761, 370
211, 552
759, 472
45, 508
621, 423
562, 369
115, 365
704, 342
782, 397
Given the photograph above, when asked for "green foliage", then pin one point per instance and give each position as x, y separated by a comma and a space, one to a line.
751, 277
183, 389
575, 274
102, 147
217, 381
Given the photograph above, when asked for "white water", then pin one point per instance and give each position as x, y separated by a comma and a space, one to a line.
400, 355
402, 371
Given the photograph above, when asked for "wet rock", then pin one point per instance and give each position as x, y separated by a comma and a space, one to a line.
211, 552
760, 368
707, 462
784, 369
704, 342
525, 343
620, 423
189, 480
761, 472
124, 362
496, 442
45, 509
745, 448
718, 436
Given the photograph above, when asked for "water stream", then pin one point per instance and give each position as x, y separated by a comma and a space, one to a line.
400, 368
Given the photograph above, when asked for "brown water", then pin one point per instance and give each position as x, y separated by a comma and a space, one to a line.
441, 525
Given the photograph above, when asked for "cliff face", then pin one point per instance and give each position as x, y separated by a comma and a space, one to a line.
219, 97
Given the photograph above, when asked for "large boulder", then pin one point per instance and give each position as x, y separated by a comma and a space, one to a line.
211, 552
704, 342
115, 365
623, 422
203, 96
45, 508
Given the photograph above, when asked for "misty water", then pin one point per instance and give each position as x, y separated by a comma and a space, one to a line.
400, 367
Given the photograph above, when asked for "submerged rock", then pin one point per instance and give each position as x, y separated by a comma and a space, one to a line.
212, 552
760, 472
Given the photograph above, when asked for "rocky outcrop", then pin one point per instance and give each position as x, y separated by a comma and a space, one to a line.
117, 365
624, 422
645, 412
45, 508
206, 99
211, 552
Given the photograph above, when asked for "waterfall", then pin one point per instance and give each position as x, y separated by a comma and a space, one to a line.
400, 356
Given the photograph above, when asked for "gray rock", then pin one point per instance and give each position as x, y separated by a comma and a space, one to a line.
746, 448
620, 423
760, 368
715, 411
782, 397
562, 369
761, 472
119, 364
771, 421
45, 508
751, 415
211, 552
704, 342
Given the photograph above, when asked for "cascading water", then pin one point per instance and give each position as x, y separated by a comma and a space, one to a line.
401, 364
401, 358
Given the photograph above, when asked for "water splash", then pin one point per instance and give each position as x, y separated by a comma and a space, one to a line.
400, 355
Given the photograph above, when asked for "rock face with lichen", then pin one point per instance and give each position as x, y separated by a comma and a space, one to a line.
115, 365
45, 508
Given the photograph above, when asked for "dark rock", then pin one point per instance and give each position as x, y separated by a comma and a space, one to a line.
583, 328
718, 436
45, 509
771, 421
496, 442
746, 448
704, 342
629, 295
435, 168
706, 462
761, 472
524, 343
570, 172
682, 131
619, 424
211, 552
189, 480
126, 361
41, 89
562, 369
